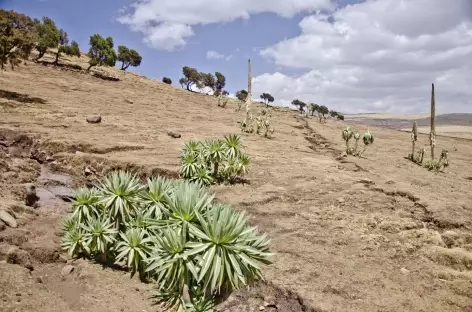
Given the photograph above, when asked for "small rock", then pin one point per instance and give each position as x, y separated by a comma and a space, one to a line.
404, 271
67, 270
341, 200
49, 158
8, 219
366, 181
39, 279
173, 134
31, 197
94, 119
2, 226
87, 171
129, 101
261, 308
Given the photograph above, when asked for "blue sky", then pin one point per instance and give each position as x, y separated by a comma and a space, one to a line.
239, 38
347, 56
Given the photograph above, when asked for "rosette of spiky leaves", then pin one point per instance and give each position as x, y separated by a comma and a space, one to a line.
233, 145
228, 251
347, 134
215, 152
243, 164
186, 200
170, 268
141, 221
99, 235
119, 195
134, 247
86, 204
202, 176
191, 147
200, 303
368, 138
153, 197
231, 168
189, 165
70, 223
74, 242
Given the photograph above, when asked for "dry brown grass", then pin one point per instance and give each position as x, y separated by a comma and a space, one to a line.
349, 234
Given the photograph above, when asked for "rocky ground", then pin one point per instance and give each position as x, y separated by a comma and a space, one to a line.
350, 234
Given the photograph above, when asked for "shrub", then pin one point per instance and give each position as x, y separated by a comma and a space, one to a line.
167, 80
170, 232
214, 160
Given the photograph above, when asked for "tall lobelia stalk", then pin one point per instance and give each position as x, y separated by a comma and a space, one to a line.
414, 138
432, 135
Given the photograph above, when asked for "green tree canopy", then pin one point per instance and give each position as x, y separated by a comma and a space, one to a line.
242, 95
18, 35
267, 98
208, 80
220, 81
313, 108
101, 51
323, 110
128, 57
191, 77
48, 36
333, 113
299, 104
64, 47
167, 80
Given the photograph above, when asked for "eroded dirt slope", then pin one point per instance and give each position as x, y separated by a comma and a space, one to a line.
371, 234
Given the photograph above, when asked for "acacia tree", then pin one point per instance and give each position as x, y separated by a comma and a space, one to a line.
267, 98
333, 113
191, 77
128, 57
242, 95
301, 105
101, 51
48, 36
18, 35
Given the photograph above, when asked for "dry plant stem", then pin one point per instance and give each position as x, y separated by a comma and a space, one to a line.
249, 91
432, 135
414, 138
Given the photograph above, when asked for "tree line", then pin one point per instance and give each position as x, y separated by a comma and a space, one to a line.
20, 35
322, 110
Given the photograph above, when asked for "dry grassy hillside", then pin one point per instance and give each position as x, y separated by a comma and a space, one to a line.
372, 234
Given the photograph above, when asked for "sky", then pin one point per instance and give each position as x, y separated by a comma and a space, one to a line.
353, 56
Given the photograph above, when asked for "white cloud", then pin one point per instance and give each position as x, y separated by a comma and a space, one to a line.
166, 24
217, 56
380, 55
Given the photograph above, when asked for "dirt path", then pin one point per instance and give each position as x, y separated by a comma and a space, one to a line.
374, 234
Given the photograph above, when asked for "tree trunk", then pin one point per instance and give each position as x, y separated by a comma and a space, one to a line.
57, 59
41, 54
90, 66
432, 135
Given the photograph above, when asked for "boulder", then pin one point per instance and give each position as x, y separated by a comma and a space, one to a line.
94, 119
8, 219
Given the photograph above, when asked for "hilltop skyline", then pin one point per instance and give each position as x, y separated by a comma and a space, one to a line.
353, 56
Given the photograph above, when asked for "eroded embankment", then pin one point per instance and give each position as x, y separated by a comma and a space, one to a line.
30, 257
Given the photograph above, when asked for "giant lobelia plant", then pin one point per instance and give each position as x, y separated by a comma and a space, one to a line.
171, 233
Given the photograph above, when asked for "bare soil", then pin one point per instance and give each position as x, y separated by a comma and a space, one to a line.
378, 233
